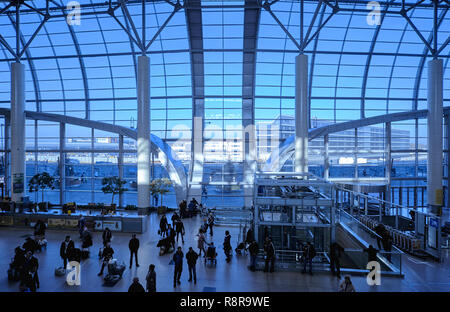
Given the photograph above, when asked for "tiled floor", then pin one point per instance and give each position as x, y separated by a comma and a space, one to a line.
419, 275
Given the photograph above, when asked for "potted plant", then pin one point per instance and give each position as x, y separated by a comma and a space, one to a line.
40, 182
113, 185
160, 187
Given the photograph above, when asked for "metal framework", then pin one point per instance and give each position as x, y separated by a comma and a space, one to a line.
322, 14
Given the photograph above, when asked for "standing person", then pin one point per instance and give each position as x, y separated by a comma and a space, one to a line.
163, 225
269, 256
151, 278
179, 228
175, 218
335, 259
171, 235
254, 250
107, 236
81, 225
183, 206
387, 246
136, 286
227, 245
65, 251
211, 223
31, 280
201, 243
347, 285
309, 252
39, 229
107, 255
29, 275
178, 260
133, 245
191, 258
381, 231
371, 253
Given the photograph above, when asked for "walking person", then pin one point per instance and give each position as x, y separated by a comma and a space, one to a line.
163, 226
201, 243
151, 278
66, 249
269, 256
347, 285
309, 252
211, 223
107, 236
29, 277
175, 218
179, 229
136, 286
254, 250
171, 235
107, 255
227, 245
178, 261
133, 245
335, 259
191, 258
371, 253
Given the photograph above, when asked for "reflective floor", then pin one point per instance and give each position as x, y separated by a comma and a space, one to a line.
233, 276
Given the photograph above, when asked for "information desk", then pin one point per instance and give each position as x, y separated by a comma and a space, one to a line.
55, 219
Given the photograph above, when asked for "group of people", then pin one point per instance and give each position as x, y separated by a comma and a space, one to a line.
170, 232
24, 267
189, 210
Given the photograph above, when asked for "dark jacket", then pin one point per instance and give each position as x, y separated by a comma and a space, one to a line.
133, 245
39, 228
227, 242
178, 259
175, 218
269, 250
179, 226
136, 287
191, 258
87, 239
66, 252
309, 252
336, 251
151, 281
253, 248
30, 280
163, 223
107, 235
108, 252
372, 253
30, 245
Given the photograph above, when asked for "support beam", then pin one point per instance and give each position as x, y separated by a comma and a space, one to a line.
388, 162
194, 25
17, 131
143, 129
434, 127
326, 158
251, 22
62, 163
301, 114
120, 164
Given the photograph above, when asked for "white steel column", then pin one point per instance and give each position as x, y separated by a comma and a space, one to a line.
62, 163
17, 131
120, 165
435, 158
143, 141
326, 158
301, 114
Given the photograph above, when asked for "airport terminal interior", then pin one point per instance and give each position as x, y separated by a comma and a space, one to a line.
295, 145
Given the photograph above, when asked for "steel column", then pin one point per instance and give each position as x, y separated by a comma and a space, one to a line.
17, 131
143, 129
301, 114
434, 131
